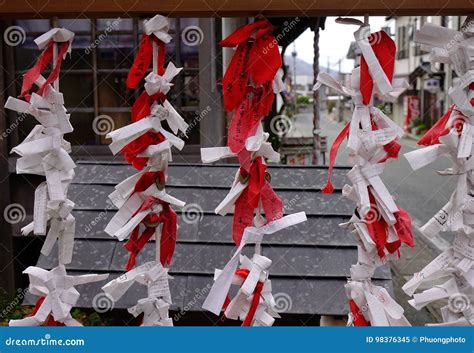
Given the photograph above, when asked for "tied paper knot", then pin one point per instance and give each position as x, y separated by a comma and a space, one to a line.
48, 109
47, 41
155, 83
159, 26
458, 259
155, 312
437, 292
255, 308
61, 224
255, 146
257, 268
252, 235
146, 138
146, 131
167, 218
250, 190
155, 30
143, 60
61, 230
387, 236
256, 59
367, 179
455, 266
143, 139
372, 306
57, 289
155, 277
45, 150
132, 152
131, 196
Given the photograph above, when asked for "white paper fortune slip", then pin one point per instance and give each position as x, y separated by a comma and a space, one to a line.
45, 152
450, 276
137, 205
372, 140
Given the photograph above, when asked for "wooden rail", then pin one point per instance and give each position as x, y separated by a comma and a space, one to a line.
230, 8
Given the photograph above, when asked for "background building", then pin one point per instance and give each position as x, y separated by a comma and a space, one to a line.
428, 93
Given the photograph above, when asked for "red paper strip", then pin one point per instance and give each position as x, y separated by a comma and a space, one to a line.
329, 188
168, 218
357, 317
384, 49
258, 190
30, 77
431, 137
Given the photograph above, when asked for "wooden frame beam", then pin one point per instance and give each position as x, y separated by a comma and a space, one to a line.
230, 8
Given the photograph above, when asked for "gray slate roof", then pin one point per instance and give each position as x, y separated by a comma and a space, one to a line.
311, 261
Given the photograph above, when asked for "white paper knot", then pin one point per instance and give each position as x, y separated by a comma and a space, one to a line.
220, 289
155, 312
144, 274
158, 26
59, 35
257, 144
375, 304
59, 294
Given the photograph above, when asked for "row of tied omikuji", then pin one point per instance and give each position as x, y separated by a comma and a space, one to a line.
251, 81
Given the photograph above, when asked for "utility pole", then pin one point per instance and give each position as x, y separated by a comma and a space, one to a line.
294, 54
316, 107
340, 105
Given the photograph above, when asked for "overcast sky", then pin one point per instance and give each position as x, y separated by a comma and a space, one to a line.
334, 42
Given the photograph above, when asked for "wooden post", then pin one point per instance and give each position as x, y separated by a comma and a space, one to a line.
211, 123
316, 107
7, 273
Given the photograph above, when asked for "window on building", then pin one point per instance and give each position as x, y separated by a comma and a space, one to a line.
419, 22
93, 78
402, 42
